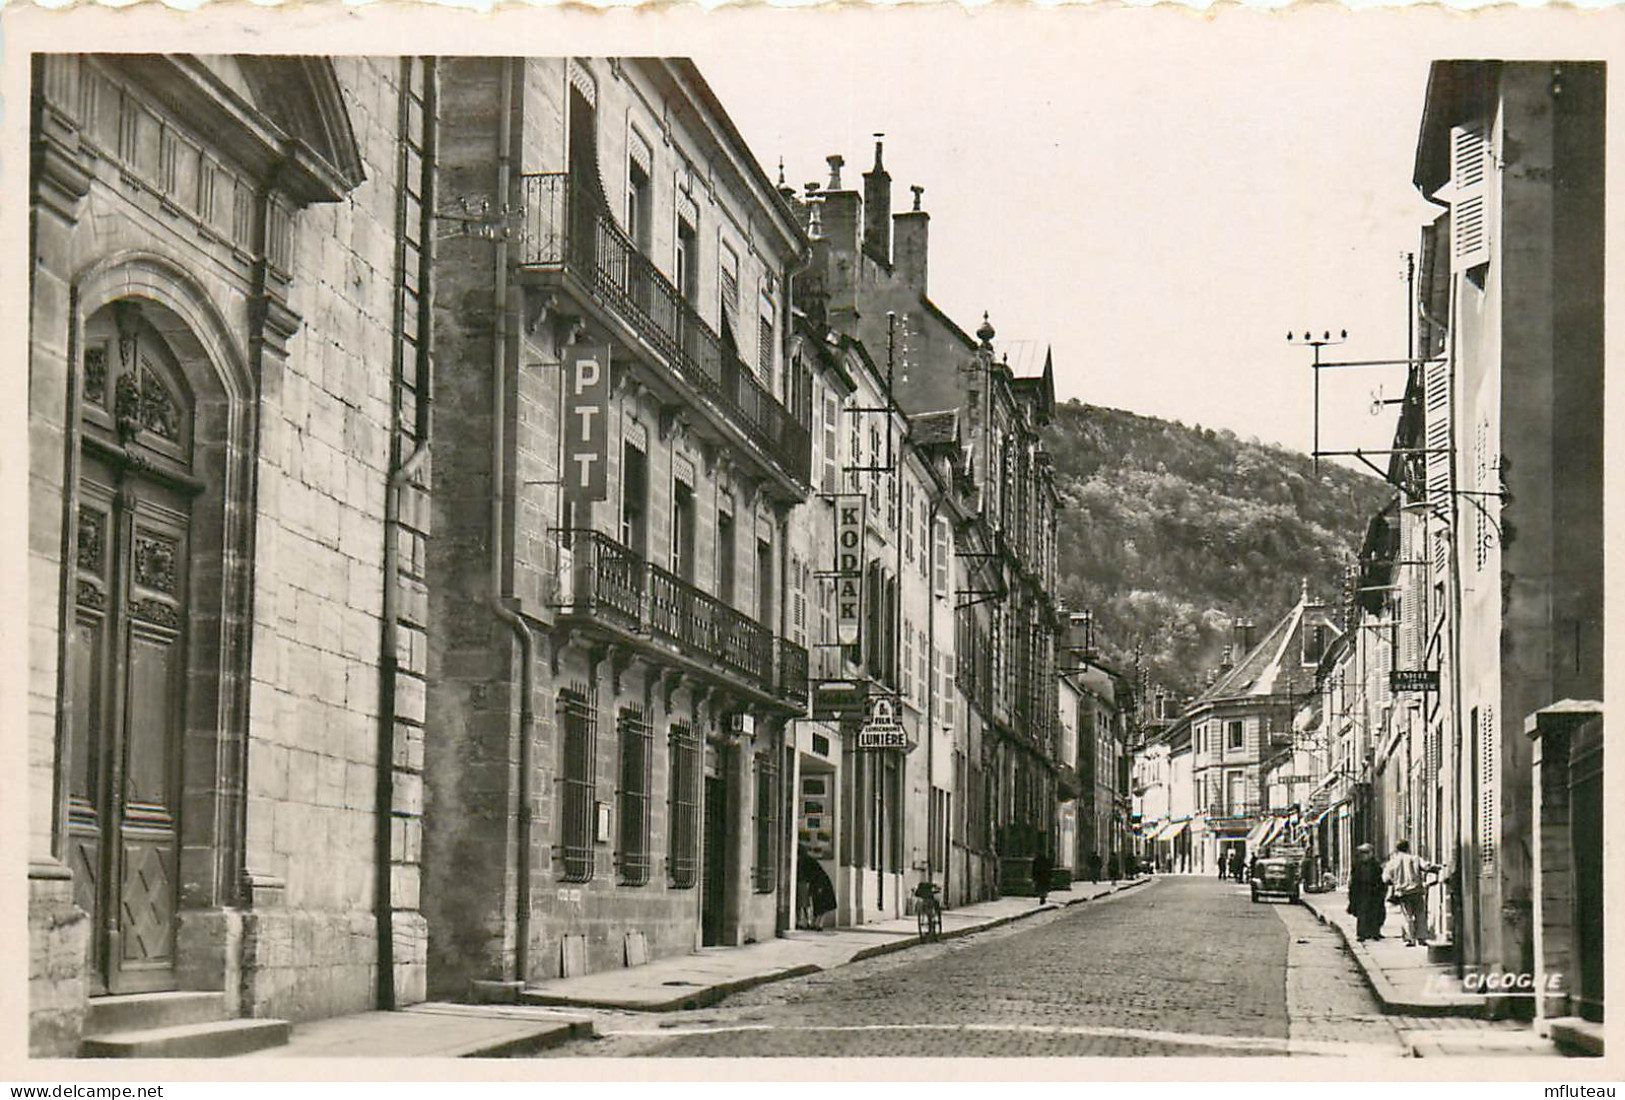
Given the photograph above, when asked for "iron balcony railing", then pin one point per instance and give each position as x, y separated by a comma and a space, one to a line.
567, 228
612, 584
792, 669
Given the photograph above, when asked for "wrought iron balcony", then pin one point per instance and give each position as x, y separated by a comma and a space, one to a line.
568, 230
792, 672
612, 586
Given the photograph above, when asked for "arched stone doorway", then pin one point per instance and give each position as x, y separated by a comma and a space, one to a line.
146, 779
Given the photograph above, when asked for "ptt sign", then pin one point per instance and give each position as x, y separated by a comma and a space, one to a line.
586, 423
849, 528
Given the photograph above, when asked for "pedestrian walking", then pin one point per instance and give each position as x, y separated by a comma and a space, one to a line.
1224, 863
1114, 867
1238, 865
1368, 898
814, 890
1094, 867
1407, 876
1043, 871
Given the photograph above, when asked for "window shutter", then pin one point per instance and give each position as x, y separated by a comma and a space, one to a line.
1489, 802
1437, 399
944, 552
1469, 206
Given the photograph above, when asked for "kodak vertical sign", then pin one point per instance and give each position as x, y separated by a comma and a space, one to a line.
849, 528
586, 423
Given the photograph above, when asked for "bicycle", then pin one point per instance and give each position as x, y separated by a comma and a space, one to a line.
928, 912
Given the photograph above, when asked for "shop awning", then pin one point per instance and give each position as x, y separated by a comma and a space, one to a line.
1157, 831
1173, 830
1256, 836
1277, 826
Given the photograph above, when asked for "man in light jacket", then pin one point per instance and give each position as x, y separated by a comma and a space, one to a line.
1407, 876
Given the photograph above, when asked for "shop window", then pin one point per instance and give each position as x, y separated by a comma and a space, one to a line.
683, 800
579, 720
767, 824
637, 752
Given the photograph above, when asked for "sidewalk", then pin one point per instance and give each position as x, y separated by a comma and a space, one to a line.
433, 1030
1402, 977
712, 973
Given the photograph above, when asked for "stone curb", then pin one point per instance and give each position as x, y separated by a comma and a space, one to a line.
526, 1045
1393, 1002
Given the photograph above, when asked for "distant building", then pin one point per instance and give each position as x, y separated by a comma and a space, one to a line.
1241, 721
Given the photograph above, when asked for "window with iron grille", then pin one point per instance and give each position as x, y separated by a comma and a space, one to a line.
682, 854
767, 824
637, 761
578, 717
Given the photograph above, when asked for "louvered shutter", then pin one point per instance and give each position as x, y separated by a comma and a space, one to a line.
1469, 200
1437, 428
1489, 802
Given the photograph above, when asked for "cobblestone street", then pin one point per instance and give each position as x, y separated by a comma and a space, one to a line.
1181, 966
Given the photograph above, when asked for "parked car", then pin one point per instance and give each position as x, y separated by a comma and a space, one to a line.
1276, 875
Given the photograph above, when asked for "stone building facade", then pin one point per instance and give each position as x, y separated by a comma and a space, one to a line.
611, 687
870, 275
222, 320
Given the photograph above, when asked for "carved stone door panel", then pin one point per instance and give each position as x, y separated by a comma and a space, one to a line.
127, 676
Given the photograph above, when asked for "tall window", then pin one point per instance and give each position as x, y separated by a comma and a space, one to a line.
764, 344
639, 206
764, 583
688, 259
767, 823
729, 287
1238, 736
683, 800
637, 753
832, 420
682, 530
725, 555
908, 522
635, 501
579, 719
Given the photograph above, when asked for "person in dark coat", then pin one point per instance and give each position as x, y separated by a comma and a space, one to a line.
814, 884
1114, 867
1094, 866
1043, 871
1368, 894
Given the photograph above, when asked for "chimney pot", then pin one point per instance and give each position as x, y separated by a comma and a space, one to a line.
835, 162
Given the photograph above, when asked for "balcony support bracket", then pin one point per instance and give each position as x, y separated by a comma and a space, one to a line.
670, 681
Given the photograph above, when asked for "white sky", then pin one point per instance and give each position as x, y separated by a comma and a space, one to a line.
1158, 210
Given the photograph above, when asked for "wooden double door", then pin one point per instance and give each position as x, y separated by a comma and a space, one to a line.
126, 666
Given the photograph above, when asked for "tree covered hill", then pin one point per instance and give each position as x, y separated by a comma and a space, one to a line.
1169, 533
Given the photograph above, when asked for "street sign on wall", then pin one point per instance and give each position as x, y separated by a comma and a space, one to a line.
586, 423
849, 529
1413, 679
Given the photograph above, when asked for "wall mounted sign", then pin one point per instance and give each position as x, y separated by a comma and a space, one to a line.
881, 729
849, 529
1413, 679
586, 423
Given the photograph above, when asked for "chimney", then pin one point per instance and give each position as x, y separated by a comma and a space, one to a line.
877, 209
841, 209
1244, 636
912, 232
1226, 662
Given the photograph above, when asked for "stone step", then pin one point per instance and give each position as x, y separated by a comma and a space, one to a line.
217, 1039
134, 1011
1441, 951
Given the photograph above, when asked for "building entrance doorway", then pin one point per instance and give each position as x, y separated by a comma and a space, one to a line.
126, 651
714, 864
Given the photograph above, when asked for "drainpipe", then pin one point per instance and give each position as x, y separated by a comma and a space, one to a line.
930, 551
501, 598
399, 479
784, 905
